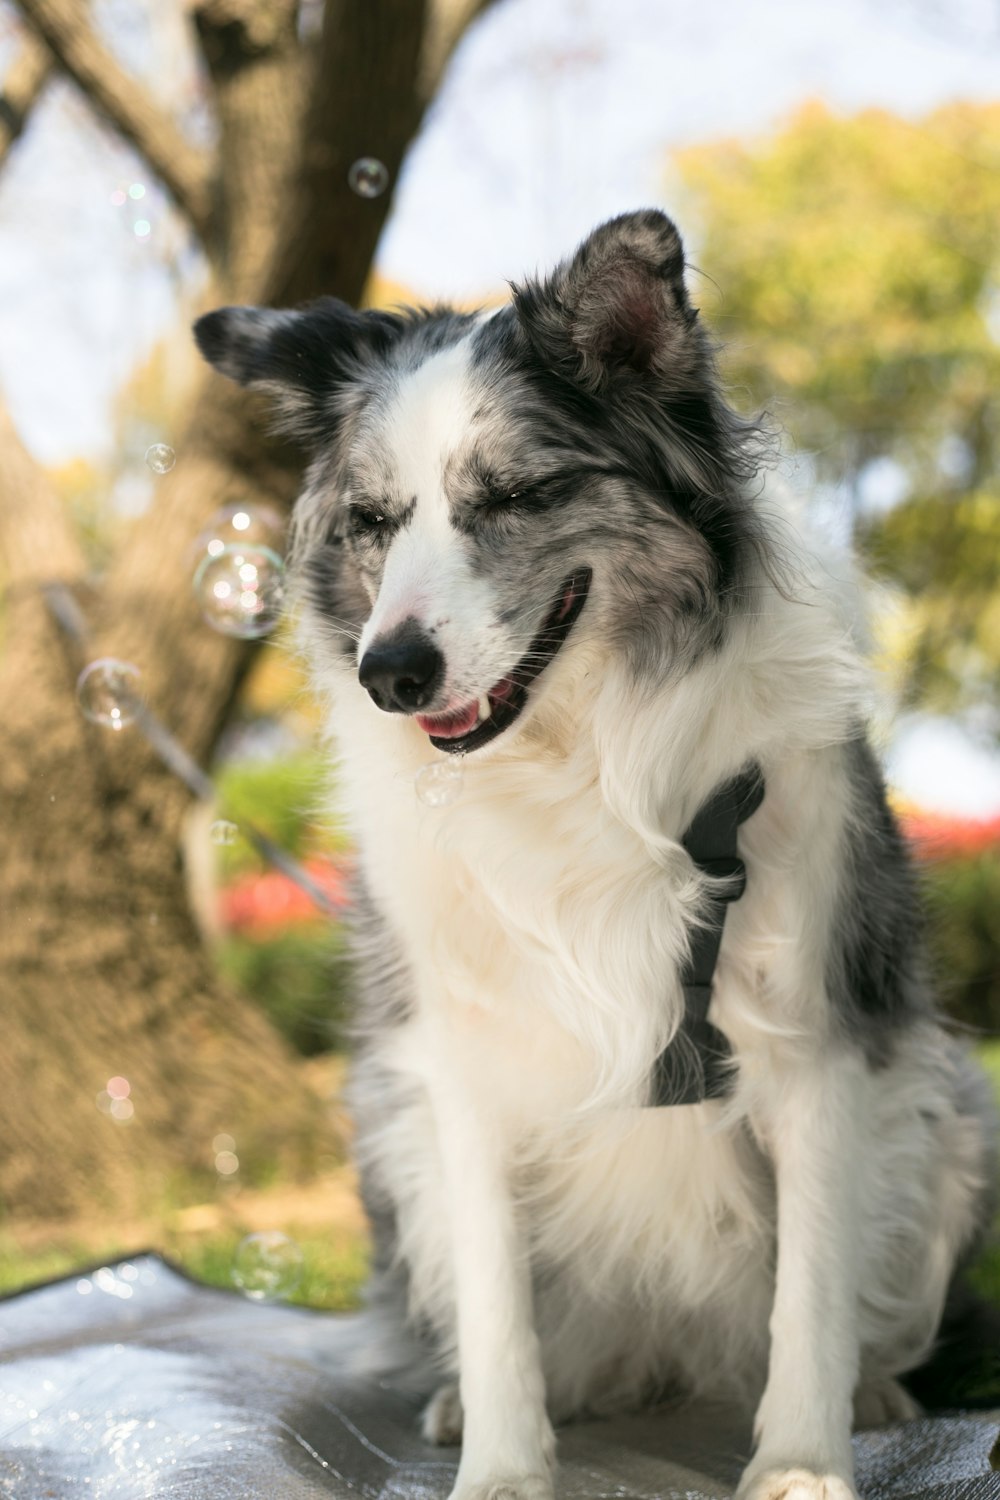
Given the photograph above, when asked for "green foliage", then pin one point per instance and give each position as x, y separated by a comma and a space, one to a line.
279, 797
298, 974
335, 1265
860, 272
299, 977
334, 1269
963, 897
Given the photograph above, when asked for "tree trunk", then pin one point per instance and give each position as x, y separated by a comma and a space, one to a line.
103, 974
102, 970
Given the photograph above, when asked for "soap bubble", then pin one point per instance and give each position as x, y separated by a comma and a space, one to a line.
141, 229
368, 177
160, 456
439, 784
223, 832
108, 692
118, 197
241, 590
137, 190
252, 525
267, 1265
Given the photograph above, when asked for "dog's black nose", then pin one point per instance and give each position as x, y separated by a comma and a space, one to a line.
402, 671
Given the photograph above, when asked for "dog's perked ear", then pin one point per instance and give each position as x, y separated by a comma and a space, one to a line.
618, 308
303, 359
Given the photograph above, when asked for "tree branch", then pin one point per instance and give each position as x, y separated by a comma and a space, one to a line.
26, 78
185, 171
252, 52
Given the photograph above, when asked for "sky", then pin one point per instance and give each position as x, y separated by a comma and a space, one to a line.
555, 115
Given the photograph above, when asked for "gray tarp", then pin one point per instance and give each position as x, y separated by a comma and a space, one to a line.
134, 1382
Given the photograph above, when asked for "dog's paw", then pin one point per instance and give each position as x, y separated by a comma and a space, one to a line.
441, 1422
505, 1487
777, 1483
877, 1402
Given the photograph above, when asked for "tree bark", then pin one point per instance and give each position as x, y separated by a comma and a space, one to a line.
102, 970
26, 78
184, 171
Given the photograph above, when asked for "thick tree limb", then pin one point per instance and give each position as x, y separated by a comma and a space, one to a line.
253, 55
378, 67
26, 78
365, 102
185, 171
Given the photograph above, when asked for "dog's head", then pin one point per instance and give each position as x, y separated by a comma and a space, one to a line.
488, 490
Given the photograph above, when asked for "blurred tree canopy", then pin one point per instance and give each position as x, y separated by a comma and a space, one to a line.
859, 267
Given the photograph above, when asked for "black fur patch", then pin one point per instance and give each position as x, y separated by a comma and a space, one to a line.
877, 973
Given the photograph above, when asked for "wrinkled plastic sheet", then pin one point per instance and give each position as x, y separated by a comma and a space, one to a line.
133, 1381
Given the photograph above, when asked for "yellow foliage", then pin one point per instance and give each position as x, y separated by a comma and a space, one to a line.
859, 266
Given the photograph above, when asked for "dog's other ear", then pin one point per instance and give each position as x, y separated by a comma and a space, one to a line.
619, 307
303, 359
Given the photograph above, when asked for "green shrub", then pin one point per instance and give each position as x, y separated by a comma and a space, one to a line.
963, 896
299, 977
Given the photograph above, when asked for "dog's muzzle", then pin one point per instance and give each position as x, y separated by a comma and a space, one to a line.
402, 671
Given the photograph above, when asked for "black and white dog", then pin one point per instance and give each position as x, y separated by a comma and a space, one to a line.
533, 551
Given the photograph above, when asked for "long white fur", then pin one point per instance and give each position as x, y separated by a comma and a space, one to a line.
544, 918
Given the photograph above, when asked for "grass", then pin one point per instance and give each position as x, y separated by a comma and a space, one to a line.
323, 1218
334, 1269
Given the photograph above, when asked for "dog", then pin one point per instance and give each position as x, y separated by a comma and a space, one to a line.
560, 617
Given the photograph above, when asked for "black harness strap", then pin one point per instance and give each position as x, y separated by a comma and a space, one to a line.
698, 1063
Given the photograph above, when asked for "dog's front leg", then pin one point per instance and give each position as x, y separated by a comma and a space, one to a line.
508, 1447
816, 1130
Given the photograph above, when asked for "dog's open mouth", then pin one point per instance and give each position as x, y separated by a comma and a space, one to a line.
476, 723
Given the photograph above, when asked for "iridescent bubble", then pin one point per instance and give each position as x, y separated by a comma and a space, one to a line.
160, 457
241, 590
254, 525
121, 1110
439, 783
118, 197
368, 177
223, 832
118, 1087
267, 1265
136, 190
108, 692
141, 228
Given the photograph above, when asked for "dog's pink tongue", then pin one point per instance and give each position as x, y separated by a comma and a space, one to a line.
450, 726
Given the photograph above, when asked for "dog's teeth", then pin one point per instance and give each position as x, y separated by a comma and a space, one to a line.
484, 707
